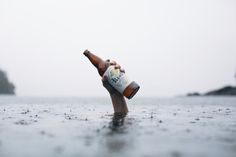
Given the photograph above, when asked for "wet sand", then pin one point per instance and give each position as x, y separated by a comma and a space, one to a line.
198, 127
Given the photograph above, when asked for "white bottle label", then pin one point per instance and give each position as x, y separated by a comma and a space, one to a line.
117, 79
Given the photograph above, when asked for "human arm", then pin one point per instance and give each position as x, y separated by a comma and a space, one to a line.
118, 100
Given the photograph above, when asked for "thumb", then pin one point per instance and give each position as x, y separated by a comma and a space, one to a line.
105, 81
104, 78
107, 85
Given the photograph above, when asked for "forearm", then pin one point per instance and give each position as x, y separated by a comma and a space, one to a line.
119, 103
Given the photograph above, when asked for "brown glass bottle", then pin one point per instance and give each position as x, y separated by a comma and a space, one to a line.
100, 64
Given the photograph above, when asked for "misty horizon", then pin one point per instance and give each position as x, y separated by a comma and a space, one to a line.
169, 48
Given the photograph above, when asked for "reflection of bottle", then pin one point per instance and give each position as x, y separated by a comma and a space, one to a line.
117, 79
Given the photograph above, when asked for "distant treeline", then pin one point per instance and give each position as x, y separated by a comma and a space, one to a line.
224, 91
6, 87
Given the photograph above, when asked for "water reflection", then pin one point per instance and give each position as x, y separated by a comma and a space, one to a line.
117, 123
116, 138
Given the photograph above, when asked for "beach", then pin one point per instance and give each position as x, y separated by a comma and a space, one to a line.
86, 127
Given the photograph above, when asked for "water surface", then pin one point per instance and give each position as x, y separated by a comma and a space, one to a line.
86, 127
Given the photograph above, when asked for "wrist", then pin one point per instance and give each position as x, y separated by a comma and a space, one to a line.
115, 93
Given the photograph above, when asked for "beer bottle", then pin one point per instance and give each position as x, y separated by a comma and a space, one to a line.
116, 78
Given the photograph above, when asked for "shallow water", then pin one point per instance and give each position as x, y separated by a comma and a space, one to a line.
86, 127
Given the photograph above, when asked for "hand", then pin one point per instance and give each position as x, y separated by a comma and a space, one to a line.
105, 82
118, 100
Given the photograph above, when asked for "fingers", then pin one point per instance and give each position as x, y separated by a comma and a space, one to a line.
117, 66
122, 70
104, 78
106, 84
107, 64
105, 81
113, 63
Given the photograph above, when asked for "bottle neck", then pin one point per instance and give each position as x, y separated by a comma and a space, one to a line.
96, 61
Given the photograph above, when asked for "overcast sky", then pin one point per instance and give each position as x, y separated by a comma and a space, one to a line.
169, 47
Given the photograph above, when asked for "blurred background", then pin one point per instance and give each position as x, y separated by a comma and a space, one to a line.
168, 47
